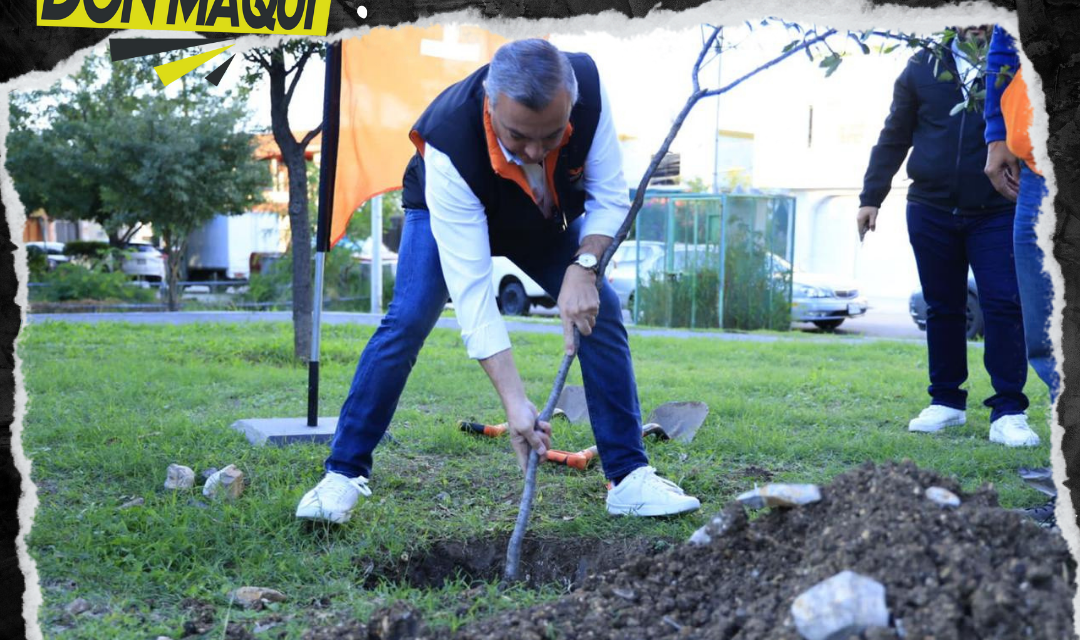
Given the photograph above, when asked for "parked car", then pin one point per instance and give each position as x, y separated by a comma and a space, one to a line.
626, 262
917, 308
363, 251
515, 291
53, 251
143, 262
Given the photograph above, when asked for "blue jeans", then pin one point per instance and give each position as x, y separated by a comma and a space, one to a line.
945, 246
420, 295
1036, 288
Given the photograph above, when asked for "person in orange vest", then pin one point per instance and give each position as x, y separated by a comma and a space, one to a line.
520, 159
1011, 167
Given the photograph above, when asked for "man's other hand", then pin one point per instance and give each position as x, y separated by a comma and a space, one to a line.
579, 304
524, 434
867, 220
1003, 169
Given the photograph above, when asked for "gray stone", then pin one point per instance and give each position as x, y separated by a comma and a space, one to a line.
283, 431
944, 497
177, 477
780, 495
77, 606
839, 607
227, 483
137, 502
731, 519
256, 597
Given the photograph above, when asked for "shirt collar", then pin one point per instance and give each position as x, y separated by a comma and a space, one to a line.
509, 156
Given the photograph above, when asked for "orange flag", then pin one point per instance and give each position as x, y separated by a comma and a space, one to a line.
388, 78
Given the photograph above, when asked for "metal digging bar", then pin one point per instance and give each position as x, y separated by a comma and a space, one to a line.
513, 551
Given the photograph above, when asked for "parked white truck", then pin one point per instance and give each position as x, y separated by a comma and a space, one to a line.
221, 249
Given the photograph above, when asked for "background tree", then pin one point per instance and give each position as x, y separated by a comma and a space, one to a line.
110, 145
59, 140
183, 161
283, 65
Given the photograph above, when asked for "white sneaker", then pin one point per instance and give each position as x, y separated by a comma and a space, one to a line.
333, 498
935, 418
643, 493
1013, 431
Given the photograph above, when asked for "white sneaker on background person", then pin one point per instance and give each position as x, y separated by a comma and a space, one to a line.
937, 417
643, 493
1013, 431
333, 498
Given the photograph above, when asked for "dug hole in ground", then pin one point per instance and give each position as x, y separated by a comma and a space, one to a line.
973, 571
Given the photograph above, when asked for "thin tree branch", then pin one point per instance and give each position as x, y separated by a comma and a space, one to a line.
310, 136
298, 69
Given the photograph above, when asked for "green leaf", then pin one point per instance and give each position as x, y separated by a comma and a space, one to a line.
945, 76
865, 48
960, 106
791, 45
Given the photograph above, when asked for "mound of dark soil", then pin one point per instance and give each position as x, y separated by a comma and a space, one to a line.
977, 571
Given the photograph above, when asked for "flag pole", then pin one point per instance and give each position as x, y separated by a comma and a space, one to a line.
327, 175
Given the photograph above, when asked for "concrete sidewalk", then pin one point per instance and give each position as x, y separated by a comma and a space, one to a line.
514, 326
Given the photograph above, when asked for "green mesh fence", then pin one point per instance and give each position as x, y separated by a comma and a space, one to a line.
709, 261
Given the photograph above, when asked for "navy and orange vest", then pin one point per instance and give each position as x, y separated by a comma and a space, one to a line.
457, 124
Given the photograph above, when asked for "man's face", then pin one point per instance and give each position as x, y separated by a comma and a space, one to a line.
529, 134
979, 35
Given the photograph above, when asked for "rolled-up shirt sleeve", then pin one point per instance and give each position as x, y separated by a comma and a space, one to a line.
460, 228
607, 198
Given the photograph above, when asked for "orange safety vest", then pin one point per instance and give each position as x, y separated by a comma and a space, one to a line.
1018, 114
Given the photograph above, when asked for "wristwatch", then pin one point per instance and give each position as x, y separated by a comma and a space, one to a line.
587, 261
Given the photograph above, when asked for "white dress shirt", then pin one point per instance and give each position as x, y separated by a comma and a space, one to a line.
460, 228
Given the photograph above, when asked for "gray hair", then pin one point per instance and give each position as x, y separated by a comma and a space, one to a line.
530, 72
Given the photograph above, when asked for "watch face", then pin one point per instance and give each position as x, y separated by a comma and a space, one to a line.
586, 260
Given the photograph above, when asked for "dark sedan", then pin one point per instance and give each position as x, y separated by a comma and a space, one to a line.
917, 307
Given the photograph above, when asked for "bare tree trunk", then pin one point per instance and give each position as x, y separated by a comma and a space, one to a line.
292, 153
301, 255
172, 273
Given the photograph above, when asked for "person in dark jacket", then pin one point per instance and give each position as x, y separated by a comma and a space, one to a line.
956, 220
520, 159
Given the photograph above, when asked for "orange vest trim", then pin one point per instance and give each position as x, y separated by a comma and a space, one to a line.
418, 141
1018, 114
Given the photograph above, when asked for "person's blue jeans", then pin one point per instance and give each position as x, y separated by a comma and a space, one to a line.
420, 295
1036, 288
945, 245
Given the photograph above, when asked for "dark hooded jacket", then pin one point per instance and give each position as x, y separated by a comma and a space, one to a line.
948, 152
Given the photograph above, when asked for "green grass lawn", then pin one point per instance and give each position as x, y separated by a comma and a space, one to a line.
112, 405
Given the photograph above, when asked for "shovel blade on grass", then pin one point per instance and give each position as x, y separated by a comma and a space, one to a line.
680, 420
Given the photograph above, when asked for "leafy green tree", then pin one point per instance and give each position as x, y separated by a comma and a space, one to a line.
58, 145
183, 161
111, 145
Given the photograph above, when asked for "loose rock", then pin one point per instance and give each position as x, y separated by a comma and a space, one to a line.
256, 597
77, 606
731, 519
137, 502
845, 604
399, 621
944, 497
227, 483
177, 477
780, 495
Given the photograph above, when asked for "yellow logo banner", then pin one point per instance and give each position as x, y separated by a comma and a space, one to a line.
293, 17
